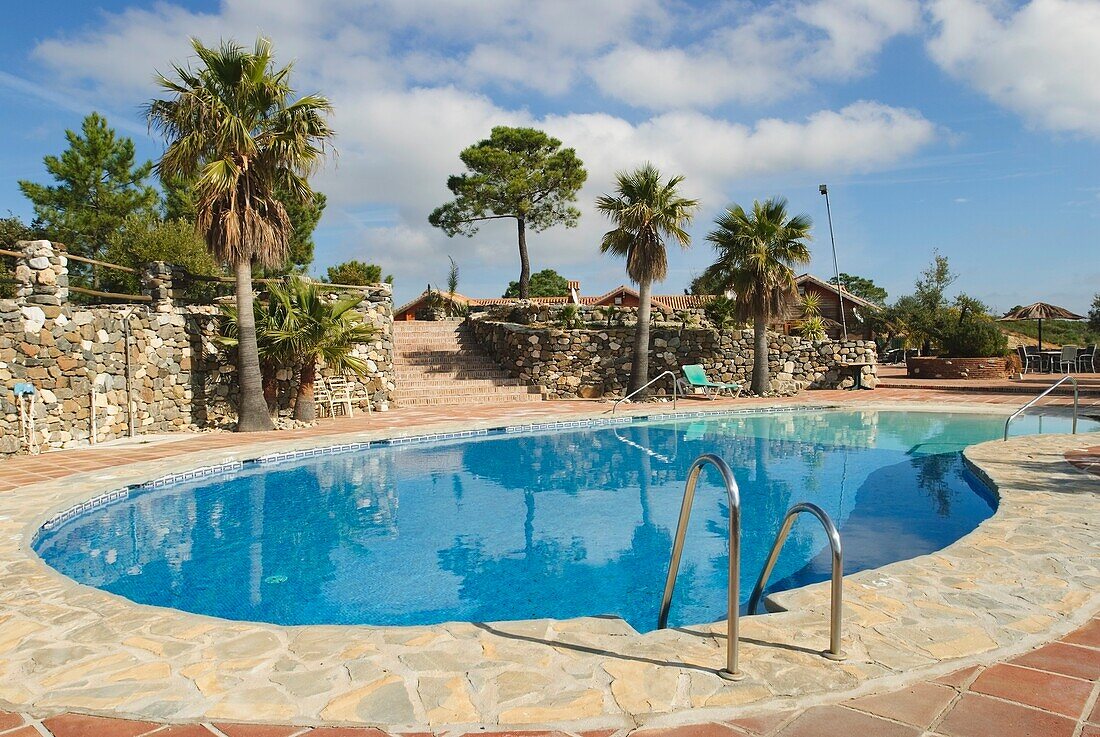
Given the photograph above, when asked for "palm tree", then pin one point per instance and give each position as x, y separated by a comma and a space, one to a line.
755, 253
645, 211
233, 129
306, 326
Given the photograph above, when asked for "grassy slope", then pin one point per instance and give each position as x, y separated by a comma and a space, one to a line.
1055, 332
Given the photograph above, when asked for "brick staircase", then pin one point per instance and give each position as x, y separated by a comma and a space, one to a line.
440, 363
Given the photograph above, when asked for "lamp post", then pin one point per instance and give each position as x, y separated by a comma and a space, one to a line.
839, 290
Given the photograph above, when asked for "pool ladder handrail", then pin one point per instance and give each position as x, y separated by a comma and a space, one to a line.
733, 592
654, 380
836, 604
1049, 389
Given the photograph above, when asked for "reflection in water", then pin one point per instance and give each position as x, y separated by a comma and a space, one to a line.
522, 526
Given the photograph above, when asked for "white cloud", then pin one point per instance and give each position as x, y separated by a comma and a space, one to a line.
763, 56
1040, 60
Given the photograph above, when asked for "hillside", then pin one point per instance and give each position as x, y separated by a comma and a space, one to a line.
1055, 332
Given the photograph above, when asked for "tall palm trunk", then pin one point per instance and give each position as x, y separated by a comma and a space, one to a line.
639, 369
524, 260
252, 414
760, 379
305, 408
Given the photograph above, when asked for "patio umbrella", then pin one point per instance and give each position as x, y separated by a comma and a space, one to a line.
1041, 311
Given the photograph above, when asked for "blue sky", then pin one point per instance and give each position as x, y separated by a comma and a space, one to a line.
968, 126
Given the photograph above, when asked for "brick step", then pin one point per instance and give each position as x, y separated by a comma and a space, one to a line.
428, 401
457, 360
432, 383
436, 348
452, 374
453, 390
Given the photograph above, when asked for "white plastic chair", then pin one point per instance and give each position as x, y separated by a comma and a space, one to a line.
343, 393
1068, 358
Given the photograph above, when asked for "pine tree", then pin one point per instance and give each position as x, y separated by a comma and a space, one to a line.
97, 186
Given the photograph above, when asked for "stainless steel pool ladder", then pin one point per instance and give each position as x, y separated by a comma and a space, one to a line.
836, 608
733, 594
1051, 388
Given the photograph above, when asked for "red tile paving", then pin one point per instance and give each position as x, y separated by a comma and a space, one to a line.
918, 705
831, 721
9, 720
708, 729
960, 678
1058, 657
256, 730
981, 716
1088, 460
763, 723
1048, 691
80, 725
183, 730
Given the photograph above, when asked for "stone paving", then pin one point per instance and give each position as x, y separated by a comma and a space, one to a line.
1049, 692
1006, 587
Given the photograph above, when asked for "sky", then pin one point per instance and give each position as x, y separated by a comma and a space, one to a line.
971, 127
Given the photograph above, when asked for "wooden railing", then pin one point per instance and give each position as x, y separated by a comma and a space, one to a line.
187, 275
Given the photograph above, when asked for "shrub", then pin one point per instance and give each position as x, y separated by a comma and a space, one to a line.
973, 336
721, 311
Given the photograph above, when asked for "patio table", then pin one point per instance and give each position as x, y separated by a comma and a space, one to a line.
1051, 357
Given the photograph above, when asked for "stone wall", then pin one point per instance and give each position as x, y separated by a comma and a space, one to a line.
180, 377
592, 362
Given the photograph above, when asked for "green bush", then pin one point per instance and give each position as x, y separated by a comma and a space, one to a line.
973, 336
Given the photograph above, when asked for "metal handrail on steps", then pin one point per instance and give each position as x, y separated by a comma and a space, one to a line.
733, 590
836, 607
675, 390
1051, 388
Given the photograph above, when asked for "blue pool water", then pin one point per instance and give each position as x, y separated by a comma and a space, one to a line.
556, 524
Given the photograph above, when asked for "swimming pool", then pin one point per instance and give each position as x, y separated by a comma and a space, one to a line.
534, 524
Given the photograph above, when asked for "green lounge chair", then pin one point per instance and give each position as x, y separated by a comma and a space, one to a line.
696, 378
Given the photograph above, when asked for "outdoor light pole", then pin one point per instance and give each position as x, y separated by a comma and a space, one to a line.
839, 290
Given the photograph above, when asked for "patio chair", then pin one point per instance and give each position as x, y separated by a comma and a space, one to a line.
695, 377
322, 397
1088, 357
1068, 359
342, 393
1028, 361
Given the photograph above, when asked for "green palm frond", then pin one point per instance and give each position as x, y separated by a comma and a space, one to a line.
646, 212
755, 254
233, 125
300, 323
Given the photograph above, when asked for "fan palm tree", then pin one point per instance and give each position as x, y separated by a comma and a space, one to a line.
303, 324
755, 253
233, 129
645, 211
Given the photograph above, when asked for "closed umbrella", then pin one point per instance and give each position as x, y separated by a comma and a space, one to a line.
1042, 311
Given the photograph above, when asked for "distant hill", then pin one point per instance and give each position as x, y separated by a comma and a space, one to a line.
1055, 333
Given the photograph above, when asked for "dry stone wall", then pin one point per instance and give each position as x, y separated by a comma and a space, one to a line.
592, 362
160, 354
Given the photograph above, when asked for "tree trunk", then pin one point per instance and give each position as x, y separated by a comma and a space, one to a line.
524, 261
760, 378
639, 369
252, 414
305, 408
